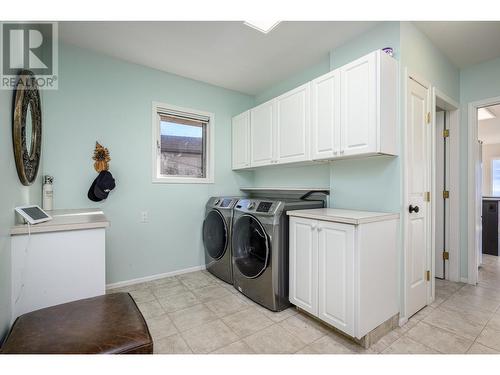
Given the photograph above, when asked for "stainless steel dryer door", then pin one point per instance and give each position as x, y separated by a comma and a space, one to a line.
215, 234
251, 247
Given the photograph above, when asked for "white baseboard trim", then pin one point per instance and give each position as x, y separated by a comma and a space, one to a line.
144, 279
464, 280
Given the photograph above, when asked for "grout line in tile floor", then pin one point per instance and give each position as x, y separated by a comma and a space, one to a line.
184, 290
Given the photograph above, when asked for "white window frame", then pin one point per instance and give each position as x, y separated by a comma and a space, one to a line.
491, 173
210, 144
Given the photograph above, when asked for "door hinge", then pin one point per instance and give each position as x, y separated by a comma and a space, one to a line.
428, 275
446, 194
428, 117
427, 196
446, 255
446, 133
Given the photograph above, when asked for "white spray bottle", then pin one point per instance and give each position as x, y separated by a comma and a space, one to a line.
47, 193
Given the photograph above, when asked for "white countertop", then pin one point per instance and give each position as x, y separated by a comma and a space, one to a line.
344, 216
64, 220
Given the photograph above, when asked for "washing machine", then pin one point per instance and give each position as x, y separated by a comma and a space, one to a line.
217, 237
260, 248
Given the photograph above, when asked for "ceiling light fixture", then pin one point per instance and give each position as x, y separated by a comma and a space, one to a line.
262, 26
485, 114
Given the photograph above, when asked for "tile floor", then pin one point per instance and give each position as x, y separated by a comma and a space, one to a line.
197, 313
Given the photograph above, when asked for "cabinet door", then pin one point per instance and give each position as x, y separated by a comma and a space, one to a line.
292, 125
325, 115
336, 275
262, 134
241, 140
303, 250
359, 100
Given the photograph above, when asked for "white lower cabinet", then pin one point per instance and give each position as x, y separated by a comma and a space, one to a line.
344, 274
335, 275
304, 265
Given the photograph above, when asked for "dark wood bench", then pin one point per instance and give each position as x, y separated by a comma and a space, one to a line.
109, 324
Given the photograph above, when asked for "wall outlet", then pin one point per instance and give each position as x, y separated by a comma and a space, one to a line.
144, 217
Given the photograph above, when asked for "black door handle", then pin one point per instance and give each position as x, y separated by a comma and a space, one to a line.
412, 209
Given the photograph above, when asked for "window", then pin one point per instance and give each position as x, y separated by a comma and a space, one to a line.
495, 177
182, 145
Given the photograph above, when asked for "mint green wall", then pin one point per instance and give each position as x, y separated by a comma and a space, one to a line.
385, 34
317, 176
478, 82
13, 194
109, 100
306, 75
423, 58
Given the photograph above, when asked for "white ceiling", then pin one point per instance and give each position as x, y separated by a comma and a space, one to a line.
464, 43
489, 130
226, 54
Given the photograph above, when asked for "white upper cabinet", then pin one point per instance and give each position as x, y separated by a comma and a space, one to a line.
241, 140
325, 116
358, 114
292, 125
368, 98
346, 113
262, 134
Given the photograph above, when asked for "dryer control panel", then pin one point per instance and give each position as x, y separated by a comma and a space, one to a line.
264, 206
257, 206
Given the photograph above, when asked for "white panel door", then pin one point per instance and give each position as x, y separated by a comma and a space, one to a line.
336, 275
359, 101
325, 115
293, 124
262, 134
303, 268
241, 140
417, 210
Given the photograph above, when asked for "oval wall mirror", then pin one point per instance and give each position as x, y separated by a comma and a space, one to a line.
27, 127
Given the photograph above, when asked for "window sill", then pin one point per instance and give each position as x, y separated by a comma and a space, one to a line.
182, 180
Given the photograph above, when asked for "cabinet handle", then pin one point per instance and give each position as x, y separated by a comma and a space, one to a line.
320, 229
341, 151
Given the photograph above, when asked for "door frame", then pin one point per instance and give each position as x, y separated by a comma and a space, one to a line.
453, 108
472, 159
404, 218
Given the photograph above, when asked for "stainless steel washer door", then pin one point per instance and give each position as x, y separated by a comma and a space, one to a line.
215, 234
251, 247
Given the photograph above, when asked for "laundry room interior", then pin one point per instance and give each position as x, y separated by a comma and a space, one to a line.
236, 187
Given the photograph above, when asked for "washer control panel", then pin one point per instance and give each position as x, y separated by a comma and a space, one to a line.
227, 203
